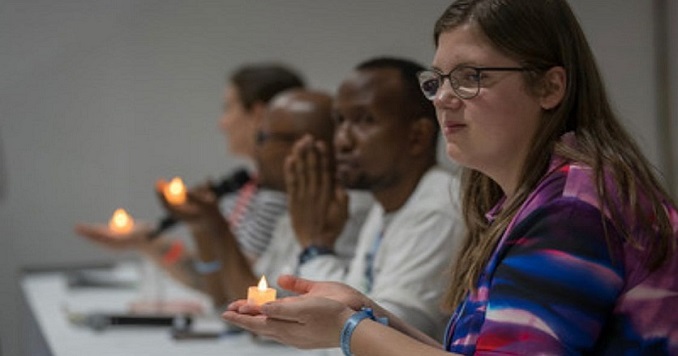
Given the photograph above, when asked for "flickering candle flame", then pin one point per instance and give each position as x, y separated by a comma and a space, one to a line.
261, 293
121, 222
175, 191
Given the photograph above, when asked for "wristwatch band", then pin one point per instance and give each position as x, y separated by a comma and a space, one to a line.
312, 251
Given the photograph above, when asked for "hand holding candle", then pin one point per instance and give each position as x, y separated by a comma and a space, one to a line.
260, 294
175, 191
121, 222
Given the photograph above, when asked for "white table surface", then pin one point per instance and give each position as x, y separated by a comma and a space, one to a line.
48, 296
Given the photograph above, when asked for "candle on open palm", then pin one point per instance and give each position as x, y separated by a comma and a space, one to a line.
261, 293
175, 191
121, 222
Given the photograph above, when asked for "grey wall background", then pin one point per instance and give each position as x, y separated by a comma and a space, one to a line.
98, 99
670, 17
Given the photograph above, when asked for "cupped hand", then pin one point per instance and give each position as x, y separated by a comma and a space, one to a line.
339, 292
302, 322
201, 208
104, 236
336, 291
312, 320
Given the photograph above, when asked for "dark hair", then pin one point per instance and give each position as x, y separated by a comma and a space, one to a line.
541, 35
261, 82
421, 107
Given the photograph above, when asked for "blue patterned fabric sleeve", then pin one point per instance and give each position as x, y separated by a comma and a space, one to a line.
555, 284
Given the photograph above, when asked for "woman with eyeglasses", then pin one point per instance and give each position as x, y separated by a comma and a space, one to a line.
571, 244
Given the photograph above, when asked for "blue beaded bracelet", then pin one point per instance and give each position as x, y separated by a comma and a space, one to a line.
350, 325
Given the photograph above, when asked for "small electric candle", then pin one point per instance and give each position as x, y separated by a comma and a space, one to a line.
261, 293
175, 191
121, 222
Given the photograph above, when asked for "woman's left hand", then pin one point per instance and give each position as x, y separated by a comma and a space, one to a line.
312, 320
302, 322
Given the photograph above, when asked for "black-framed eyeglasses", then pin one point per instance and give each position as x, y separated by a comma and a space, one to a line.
262, 137
465, 80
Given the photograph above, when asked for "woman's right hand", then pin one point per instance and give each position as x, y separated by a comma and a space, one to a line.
316, 318
100, 234
339, 292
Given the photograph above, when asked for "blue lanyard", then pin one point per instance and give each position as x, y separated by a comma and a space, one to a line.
369, 259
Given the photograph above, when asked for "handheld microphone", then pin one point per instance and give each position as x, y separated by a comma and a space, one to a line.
227, 185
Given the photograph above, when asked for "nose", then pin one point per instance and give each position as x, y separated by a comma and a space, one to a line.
446, 97
223, 121
343, 138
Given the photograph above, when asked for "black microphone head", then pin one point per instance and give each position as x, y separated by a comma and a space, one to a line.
231, 183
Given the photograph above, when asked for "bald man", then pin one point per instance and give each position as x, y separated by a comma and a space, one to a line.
289, 116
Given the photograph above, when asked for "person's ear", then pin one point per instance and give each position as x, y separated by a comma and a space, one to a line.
554, 85
422, 132
258, 111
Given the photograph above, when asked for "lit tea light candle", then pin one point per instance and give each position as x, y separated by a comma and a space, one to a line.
121, 222
261, 293
175, 191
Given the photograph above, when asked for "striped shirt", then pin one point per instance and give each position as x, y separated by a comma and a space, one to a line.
252, 213
553, 286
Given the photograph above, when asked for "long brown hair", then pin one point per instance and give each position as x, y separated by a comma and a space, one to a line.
541, 35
